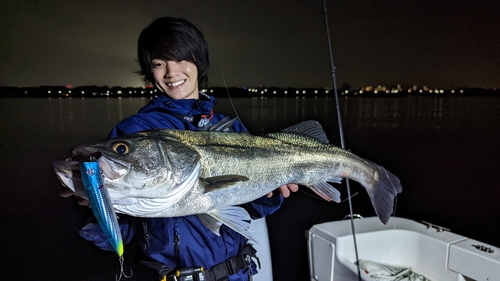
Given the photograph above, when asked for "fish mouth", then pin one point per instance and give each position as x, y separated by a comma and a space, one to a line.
69, 174
111, 168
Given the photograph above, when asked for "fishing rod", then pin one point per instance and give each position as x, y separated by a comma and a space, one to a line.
339, 118
341, 133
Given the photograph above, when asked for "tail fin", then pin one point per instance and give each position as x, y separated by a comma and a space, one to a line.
383, 192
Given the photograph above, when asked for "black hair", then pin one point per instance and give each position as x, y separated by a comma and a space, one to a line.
170, 38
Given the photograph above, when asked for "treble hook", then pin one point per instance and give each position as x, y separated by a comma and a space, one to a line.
122, 272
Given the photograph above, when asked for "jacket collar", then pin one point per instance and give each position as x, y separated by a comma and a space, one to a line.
203, 105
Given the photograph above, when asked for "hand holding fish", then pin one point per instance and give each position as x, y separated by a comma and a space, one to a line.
72, 180
285, 190
81, 201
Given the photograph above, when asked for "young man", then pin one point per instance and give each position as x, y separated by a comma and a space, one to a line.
173, 55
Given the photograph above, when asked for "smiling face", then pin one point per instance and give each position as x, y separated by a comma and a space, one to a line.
177, 79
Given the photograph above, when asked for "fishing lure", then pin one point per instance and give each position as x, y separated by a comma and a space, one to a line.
101, 207
101, 204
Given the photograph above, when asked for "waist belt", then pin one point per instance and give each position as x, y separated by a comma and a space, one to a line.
219, 272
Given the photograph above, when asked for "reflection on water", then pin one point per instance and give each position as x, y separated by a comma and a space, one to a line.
269, 114
89, 116
95, 117
77, 121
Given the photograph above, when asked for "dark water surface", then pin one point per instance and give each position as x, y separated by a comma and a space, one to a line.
445, 151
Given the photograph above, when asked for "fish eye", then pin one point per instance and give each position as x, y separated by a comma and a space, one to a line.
121, 148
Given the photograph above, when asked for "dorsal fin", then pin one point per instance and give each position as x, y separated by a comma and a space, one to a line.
309, 128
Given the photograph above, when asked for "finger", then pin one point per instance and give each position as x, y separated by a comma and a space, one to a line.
285, 192
269, 195
66, 193
293, 187
83, 202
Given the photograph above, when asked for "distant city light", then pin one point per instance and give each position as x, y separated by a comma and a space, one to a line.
379, 90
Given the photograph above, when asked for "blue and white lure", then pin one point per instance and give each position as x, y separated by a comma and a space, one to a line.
101, 204
102, 208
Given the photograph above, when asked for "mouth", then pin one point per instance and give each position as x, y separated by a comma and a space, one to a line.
176, 83
82, 155
111, 168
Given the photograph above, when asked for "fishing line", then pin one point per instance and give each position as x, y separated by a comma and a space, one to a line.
314, 196
341, 132
222, 67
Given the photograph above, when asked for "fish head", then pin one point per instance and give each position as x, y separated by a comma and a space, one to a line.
143, 165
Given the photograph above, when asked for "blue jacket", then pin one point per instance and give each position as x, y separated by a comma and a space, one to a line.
183, 241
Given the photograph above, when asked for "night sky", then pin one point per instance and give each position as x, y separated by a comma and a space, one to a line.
279, 43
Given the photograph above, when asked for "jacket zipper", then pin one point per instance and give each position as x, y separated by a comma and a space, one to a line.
146, 237
177, 250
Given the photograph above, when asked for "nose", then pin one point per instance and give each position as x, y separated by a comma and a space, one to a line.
172, 69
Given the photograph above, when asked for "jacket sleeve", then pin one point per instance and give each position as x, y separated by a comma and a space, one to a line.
143, 122
264, 206
128, 126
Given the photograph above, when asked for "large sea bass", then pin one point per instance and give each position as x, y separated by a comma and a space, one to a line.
167, 173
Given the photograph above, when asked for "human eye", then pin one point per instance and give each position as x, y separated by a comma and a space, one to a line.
157, 64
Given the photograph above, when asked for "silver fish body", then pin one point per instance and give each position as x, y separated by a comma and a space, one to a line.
165, 173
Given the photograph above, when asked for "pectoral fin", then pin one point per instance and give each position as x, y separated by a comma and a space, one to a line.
233, 217
210, 223
220, 182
